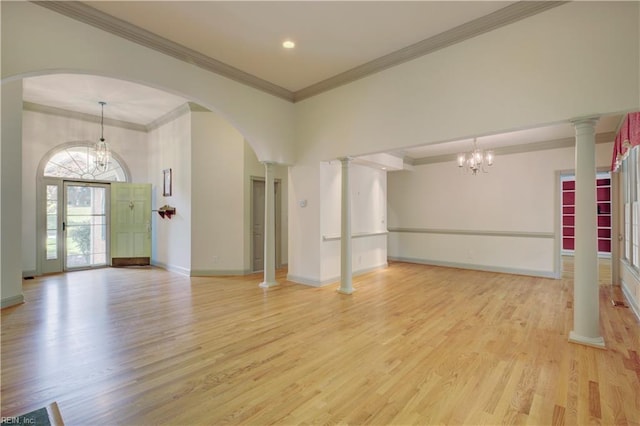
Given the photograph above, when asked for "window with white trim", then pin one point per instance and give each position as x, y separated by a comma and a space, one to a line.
631, 192
78, 161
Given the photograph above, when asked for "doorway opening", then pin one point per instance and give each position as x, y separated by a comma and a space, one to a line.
258, 225
603, 226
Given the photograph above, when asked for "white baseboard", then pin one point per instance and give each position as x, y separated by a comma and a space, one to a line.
317, 283
29, 274
596, 342
630, 300
12, 301
218, 272
172, 268
304, 280
485, 268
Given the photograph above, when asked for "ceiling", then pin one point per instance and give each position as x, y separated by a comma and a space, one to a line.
332, 39
331, 36
125, 101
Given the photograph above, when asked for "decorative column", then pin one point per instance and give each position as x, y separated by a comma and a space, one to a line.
586, 306
270, 228
345, 231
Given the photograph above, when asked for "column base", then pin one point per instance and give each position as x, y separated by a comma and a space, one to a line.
596, 342
268, 284
346, 291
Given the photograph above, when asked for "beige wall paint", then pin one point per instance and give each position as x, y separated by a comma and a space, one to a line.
217, 187
36, 41
254, 168
217, 210
518, 195
170, 147
549, 68
368, 216
546, 69
44, 132
11, 214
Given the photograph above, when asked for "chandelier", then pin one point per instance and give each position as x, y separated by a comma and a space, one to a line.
102, 148
476, 160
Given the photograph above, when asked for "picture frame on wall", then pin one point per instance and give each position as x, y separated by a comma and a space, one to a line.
166, 182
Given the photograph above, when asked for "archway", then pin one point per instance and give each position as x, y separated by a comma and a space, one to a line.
68, 183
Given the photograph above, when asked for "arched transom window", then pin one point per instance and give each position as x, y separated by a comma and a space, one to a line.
78, 161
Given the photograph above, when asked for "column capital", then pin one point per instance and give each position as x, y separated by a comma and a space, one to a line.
345, 160
590, 120
269, 163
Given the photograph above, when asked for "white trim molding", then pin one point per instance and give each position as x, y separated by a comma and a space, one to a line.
630, 300
355, 235
605, 137
12, 301
333, 280
517, 234
172, 268
219, 272
82, 12
475, 267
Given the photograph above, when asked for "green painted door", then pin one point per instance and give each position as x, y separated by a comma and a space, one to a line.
130, 224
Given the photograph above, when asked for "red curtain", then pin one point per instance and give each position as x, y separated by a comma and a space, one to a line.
627, 137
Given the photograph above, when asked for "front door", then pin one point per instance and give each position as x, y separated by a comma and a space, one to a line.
130, 224
85, 226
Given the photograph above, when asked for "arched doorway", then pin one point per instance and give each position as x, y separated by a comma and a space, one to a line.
73, 207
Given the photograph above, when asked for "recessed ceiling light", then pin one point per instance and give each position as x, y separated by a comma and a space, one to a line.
288, 44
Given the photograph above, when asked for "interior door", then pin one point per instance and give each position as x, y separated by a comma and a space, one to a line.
130, 224
85, 225
258, 225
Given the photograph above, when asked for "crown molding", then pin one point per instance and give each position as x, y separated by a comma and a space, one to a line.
96, 18
519, 149
164, 119
61, 112
170, 116
484, 24
175, 113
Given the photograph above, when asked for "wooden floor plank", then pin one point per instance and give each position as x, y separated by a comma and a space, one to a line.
414, 345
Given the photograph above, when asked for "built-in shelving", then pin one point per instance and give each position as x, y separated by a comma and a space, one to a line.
603, 200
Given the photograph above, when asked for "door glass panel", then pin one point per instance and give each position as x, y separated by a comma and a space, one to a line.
86, 226
52, 222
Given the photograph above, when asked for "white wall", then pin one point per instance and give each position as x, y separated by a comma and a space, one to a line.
10, 214
42, 132
254, 168
630, 282
368, 216
518, 197
217, 206
207, 235
36, 41
578, 59
212, 169
305, 236
170, 147
574, 60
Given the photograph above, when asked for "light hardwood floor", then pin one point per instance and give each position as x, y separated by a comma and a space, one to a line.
604, 269
413, 345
